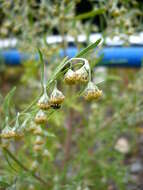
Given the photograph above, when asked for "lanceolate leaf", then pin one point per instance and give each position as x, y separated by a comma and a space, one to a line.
57, 71
7, 100
7, 159
64, 62
90, 47
3, 183
42, 66
90, 14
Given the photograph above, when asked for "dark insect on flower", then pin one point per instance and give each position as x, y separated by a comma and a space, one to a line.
56, 106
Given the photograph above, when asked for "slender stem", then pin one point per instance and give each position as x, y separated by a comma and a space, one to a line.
42, 181
68, 141
89, 74
86, 64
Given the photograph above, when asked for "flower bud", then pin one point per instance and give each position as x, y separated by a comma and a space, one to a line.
82, 74
17, 128
37, 148
32, 127
46, 154
7, 132
40, 117
92, 92
5, 143
43, 102
39, 140
38, 131
34, 165
31, 187
70, 77
115, 12
56, 97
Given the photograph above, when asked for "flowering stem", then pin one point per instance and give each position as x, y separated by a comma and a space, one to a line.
42, 181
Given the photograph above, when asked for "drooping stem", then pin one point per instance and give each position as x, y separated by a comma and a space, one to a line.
86, 64
89, 74
38, 178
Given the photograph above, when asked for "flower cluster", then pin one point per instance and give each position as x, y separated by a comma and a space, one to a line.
16, 132
45, 103
83, 75
54, 101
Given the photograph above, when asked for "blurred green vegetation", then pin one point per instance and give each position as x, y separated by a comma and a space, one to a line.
87, 145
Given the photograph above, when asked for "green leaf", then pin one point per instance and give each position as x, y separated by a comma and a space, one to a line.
49, 134
58, 69
7, 159
90, 14
7, 100
3, 183
113, 78
42, 66
88, 48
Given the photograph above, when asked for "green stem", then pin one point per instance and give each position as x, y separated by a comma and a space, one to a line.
38, 178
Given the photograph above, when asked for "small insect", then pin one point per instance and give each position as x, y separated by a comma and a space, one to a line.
56, 106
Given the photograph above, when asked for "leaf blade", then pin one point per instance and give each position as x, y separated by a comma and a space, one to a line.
58, 69
7, 100
42, 65
90, 14
88, 48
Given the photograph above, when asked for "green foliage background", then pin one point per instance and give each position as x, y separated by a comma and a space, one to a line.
80, 137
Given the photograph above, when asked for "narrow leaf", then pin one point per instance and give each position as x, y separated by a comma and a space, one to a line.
3, 183
42, 66
10, 165
88, 48
90, 14
57, 71
7, 101
48, 134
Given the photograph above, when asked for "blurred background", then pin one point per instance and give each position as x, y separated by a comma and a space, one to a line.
96, 145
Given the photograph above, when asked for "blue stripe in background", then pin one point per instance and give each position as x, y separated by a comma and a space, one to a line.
112, 56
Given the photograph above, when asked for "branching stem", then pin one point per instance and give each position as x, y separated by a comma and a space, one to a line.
38, 178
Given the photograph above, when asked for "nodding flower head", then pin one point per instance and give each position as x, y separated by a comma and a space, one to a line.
43, 102
39, 140
56, 97
18, 130
115, 12
5, 142
82, 74
32, 127
37, 148
35, 165
92, 92
38, 131
40, 117
46, 153
7, 132
70, 77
